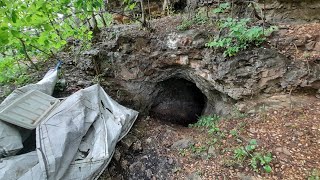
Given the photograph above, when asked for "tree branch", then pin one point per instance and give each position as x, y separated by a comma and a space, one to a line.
27, 55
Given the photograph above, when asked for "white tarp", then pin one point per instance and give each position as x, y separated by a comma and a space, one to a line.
75, 141
10, 138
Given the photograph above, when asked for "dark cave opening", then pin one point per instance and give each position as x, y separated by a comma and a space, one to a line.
178, 101
179, 5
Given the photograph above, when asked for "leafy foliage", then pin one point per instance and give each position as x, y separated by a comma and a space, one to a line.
198, 19
32, 30
209, 122
315, 175
11, 72
257, 159
239, 35
262, 160
223, 7
197, 149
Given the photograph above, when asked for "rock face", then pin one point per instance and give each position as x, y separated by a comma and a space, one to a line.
134, 63
292, 10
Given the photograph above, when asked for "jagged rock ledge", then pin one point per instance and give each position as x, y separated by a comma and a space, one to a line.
133, 63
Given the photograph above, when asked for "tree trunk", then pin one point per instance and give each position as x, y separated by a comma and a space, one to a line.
143, 18
95, 23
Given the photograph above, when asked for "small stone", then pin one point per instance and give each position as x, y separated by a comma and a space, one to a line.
317, 47
149, 173
286, 151
300, 42
288, 124
170, 161
194, 176
310, 45
148, 140
288, 41
184, 60
124, 164
136, 166
252, 130
242, 176
204, 155
137, 146
212, 151
128, 141
183, 143
283, 150
299, 133
83, 83
117, 155
176, 169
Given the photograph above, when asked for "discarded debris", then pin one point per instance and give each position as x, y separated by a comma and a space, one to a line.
75, 138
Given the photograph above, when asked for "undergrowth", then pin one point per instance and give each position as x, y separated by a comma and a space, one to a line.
209, 122
256, 159
238, 35
11, 72
315, 175
199, 19
244, 154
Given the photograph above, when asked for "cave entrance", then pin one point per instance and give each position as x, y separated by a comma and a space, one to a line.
179, 5
178, 101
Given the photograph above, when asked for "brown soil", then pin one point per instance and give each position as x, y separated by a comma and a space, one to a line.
291, 135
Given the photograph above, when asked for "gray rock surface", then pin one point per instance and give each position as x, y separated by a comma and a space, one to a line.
134, 62
183, 143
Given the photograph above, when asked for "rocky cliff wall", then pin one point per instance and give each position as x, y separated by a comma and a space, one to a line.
133, 62
295, 11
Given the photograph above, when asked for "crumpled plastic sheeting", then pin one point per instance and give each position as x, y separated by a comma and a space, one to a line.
17, 165
10, 138
78, 138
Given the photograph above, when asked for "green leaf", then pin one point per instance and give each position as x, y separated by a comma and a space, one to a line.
63, 42
254, 164
267, 158
15, 33
131, 6
47, 27
29, 18
14, 16
4, 37
253, 142
267, 168
46, 43
2, 4
96, 4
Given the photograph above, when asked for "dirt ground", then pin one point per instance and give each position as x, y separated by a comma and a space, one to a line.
290, 135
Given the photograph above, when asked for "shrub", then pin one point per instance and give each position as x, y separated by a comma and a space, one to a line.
238, 36
10, 71
209, 122
198, 19
257, 159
